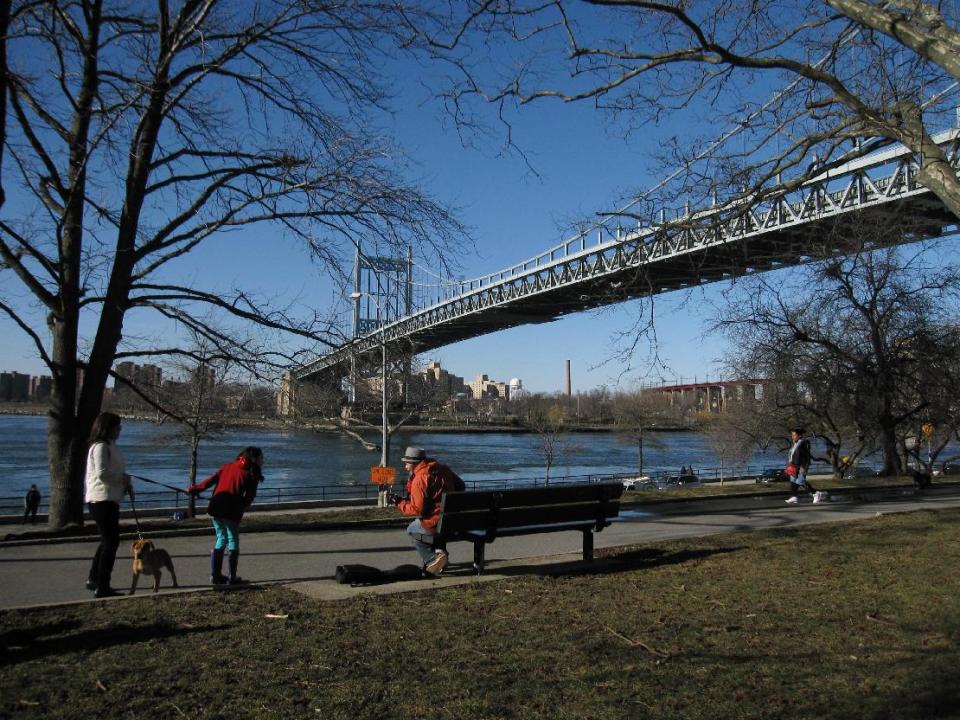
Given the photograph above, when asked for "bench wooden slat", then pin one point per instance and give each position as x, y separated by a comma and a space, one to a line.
524, 497
511, 517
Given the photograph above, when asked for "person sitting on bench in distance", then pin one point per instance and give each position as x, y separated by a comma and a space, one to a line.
428, 481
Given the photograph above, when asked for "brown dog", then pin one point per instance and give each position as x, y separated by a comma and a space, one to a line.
148, 560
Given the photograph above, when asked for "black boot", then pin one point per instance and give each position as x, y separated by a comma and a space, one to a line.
216, 567
233, 557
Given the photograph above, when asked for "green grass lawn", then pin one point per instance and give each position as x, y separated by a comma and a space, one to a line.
851, 620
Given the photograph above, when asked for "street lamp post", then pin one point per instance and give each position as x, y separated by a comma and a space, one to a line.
383, 399
355, 296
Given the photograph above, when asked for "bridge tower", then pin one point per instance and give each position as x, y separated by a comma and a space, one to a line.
382, 294
382, 291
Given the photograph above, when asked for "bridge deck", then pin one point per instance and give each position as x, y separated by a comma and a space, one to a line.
709, 246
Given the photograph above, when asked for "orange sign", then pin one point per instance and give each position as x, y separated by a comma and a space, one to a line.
383, 475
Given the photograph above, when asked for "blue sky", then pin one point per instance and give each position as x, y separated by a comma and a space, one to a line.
583, 165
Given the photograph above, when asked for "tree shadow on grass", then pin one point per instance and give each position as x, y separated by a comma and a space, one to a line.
644, 558
23, 645
605, 564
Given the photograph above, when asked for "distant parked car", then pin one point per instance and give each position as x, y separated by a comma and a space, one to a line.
643, 482
950, 469
680, 480
772, 475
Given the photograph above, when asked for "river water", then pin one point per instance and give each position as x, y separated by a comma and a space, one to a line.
297, 459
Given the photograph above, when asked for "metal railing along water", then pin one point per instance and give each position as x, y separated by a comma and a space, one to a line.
331, 494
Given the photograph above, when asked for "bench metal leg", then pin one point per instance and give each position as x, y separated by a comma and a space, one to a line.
588, 545
479, 549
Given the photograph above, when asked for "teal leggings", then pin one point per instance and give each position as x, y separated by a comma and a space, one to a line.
228, 534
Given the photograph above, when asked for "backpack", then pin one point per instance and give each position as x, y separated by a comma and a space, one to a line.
367, 575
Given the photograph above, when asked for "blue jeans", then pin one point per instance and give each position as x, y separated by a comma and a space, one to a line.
800, 483
106, 515
228, 534
422, 541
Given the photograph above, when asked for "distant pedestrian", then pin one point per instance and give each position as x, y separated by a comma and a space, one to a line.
428, 481
106, 483
31, 503
235, 487
798, 465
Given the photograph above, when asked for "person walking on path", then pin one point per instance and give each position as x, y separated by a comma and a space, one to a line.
106, 483
235, 487
798, 465
31, 503
428, 481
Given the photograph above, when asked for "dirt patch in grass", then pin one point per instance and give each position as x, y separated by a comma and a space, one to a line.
851, 620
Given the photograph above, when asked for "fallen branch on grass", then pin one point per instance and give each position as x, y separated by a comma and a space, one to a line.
636, 643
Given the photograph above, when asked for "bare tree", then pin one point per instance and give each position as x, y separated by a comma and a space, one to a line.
197, 405
545, 419
726, 434
807, 84
135, 133
847, 343
639, 413
935, 383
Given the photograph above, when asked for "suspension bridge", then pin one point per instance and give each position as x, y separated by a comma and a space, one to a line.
699, 246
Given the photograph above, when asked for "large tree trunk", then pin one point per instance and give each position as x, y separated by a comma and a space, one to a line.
69, 427
888, 445
65, 447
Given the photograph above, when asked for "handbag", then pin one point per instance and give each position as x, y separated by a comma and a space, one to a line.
792, 470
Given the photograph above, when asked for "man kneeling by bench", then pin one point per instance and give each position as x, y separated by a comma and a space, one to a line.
428, 481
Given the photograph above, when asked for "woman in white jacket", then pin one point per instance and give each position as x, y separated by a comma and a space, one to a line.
106, 483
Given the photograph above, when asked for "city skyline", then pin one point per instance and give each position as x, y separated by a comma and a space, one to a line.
152, 375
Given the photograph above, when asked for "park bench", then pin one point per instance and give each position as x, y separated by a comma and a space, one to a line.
481, 516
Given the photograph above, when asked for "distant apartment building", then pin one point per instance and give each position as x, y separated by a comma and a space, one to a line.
441, 383
484, 387
14, 387
143, 376
204, 376
40, 387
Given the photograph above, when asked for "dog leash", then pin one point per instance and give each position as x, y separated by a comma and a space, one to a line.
154, 482
136, 520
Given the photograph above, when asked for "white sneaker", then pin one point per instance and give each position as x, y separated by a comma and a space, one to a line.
439, 562
792, 500
817, 496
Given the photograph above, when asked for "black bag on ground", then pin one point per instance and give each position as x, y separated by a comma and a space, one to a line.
366, 575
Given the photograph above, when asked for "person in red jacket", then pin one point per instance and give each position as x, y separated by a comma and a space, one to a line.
235, 487
428, 481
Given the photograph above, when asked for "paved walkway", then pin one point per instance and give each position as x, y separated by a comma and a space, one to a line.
46, 573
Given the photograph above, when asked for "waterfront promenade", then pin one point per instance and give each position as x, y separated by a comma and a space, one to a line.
44, 572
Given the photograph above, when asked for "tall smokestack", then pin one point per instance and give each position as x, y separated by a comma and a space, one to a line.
569, 393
